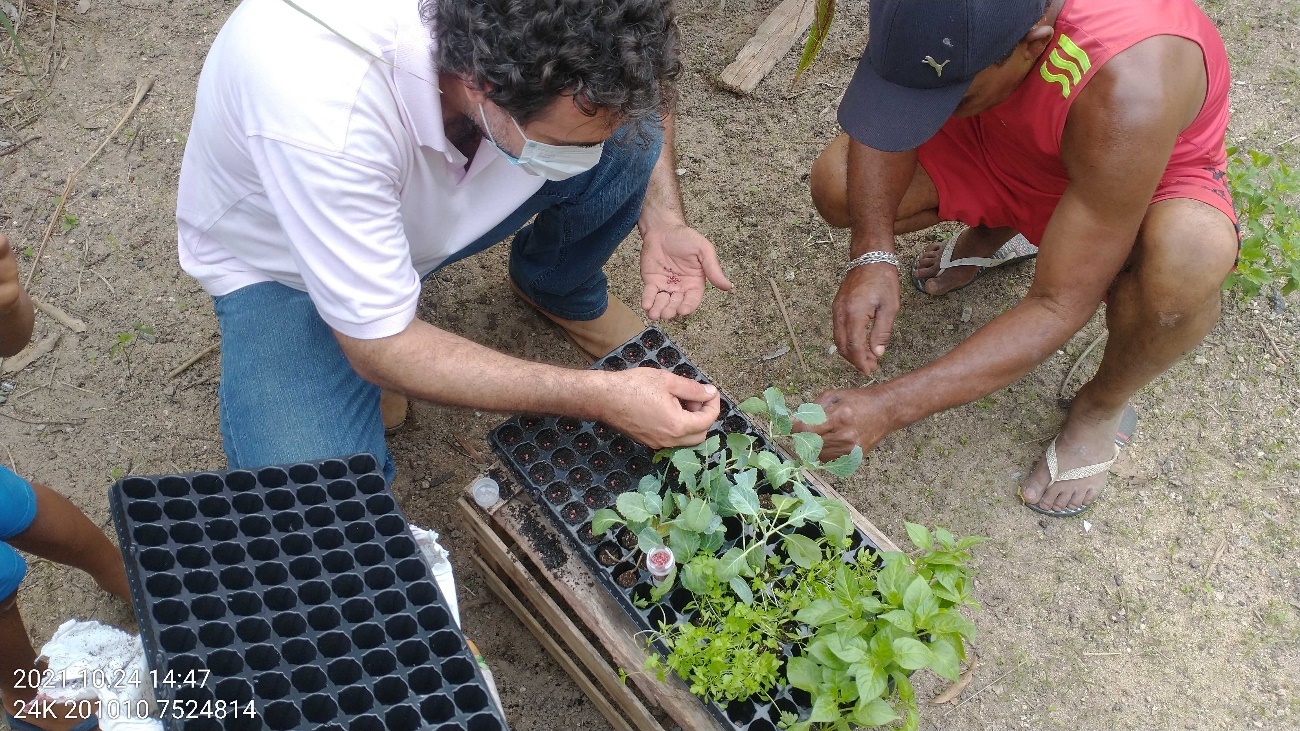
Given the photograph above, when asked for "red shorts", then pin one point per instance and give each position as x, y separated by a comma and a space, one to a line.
977, 193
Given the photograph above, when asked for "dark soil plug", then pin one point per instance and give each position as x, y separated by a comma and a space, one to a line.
510, 435
608, 555
564, 458
652, 339
668, 357
548, 438
586, 536
601, 461
596, 498
574, 513
580, 477
583, 443
623, 447
526, 454
627, 539
541, 473
558, 493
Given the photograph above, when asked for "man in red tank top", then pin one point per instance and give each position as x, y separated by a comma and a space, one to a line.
1088, 133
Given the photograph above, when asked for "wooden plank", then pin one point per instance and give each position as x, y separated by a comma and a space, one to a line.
576, 588
548, 642
559, 622
773, 39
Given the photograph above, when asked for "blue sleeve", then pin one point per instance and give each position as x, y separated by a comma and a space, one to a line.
17, 504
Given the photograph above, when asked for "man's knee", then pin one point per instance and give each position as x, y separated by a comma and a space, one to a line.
829, 183
830, 189
1186, 249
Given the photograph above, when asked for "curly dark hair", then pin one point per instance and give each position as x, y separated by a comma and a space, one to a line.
615, 55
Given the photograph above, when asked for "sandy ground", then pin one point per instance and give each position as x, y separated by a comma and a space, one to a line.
1176, 605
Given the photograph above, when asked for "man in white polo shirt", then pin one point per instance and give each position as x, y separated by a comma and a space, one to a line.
339, 155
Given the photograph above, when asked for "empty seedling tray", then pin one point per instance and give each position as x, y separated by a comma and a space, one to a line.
574, 468
298, 590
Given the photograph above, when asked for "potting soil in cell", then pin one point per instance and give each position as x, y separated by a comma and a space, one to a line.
574, 468
300, 590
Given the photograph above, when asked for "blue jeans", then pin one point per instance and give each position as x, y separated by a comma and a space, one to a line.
17, 511
287, 391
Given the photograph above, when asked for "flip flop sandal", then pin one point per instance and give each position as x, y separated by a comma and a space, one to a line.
18, 725
1018, 249
1123, 435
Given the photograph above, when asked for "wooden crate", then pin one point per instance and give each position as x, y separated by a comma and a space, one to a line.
536, 573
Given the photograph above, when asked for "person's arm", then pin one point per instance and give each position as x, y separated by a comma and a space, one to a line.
654, 407
663, 206
868, 298
1116, 145
342, 215
676, 260
16, 315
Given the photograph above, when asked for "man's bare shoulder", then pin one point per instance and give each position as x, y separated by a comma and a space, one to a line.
1146, 94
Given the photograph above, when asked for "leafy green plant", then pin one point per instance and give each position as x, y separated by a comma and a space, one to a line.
856, 624
67, 222
714, 483
126, 338
1264, 187
824, 13
873, 627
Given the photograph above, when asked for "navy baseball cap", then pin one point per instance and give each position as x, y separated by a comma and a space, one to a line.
920, 59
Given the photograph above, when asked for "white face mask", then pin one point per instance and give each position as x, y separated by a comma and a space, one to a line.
553, 162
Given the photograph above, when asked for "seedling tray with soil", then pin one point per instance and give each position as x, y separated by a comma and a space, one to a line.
292, 597
573, 469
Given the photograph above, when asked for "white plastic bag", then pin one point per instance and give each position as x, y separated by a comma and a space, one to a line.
93, 661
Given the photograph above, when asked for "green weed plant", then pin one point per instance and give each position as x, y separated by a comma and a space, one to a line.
1264, 188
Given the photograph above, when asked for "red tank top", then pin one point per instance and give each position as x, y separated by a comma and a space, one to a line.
1023, 135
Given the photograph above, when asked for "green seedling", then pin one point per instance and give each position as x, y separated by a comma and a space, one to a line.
860, 628
128, 337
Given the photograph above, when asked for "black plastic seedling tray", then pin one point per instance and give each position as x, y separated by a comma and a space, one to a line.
298, 590
574, 468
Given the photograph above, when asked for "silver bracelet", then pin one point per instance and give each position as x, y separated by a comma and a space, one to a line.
873, 257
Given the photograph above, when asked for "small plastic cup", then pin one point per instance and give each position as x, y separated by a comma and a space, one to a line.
486, 492
659, 561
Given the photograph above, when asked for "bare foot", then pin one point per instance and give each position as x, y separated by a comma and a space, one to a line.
1087, 438
973, 242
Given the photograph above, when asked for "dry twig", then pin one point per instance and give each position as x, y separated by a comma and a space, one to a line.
192, 360
1217, 555
142, 87
1276, 350
59, 316
1065, 385
31, 354
471, 452
789, 324
15, 147
974, 695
